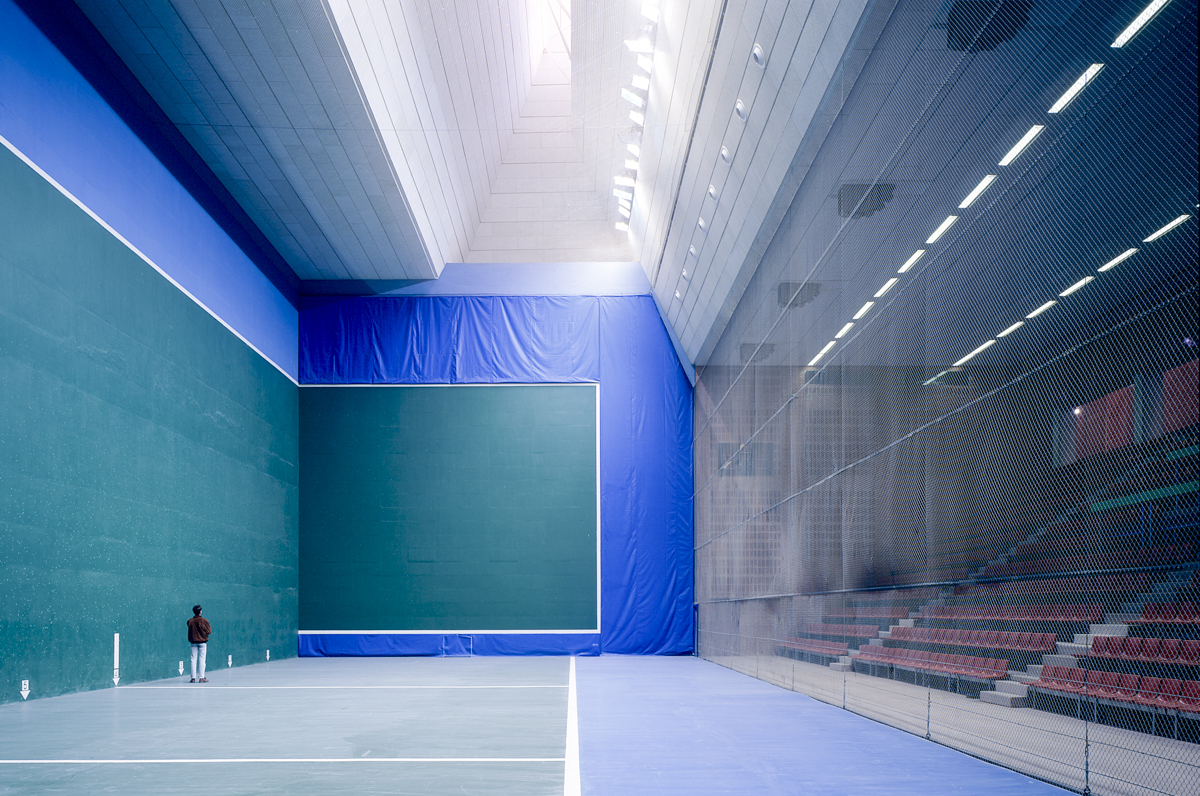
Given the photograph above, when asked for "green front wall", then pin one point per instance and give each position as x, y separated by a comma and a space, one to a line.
148, 461
448, 508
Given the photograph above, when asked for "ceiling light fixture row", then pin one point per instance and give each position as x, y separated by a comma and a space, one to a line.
758, 56
637, 94
1017, 149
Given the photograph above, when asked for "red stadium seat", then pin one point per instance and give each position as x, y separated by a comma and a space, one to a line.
1149, 650
1148, 691
1187, 614
1076, 679
1189, 694
1189, 651
1103, 684
1025, 641
1168, 696
1168, 650
1131, 648
1127, 688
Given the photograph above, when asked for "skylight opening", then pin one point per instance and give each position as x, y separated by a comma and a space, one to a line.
1075, 88
977, 191
822, 353
1019, 147
1041, 309
1164, 230
981, 348
941, 230
911, 261
1139, 22
1120, 258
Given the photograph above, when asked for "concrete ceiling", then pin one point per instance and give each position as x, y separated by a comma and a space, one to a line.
377, 140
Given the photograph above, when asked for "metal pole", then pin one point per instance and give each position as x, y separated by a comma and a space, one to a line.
1087, 787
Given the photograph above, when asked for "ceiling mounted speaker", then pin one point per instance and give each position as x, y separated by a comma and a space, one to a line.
980, 25
758, 56
740, 110
725, 156
756, 352
712, 192
861, 201
797, 294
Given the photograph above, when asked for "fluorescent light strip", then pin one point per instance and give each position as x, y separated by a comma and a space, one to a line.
1011, 329
637, 118
650, 12
845, 329
941, 230
886, 286
979, 189
634, 150
824, 351
642, 83
973, 353
626, 181
1019, 147
1139, 22
1120, 258
632, 165
1041, 309
1156, 235
625, 203
629, 96
1075, 88
865, 309
621, 226
927, 382
617, 192
623, 211
911, 261
646, 63
1076, 286
639, 45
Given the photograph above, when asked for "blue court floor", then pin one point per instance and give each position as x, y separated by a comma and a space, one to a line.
434, 726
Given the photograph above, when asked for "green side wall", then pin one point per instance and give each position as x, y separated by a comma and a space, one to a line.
148, 461
448, 508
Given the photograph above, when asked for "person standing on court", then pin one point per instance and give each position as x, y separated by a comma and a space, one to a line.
198, 632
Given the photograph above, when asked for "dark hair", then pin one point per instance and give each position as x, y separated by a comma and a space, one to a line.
196, 610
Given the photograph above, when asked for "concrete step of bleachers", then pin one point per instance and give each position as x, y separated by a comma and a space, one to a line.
1003, 699
1010, 687
1072, 649
1100, 631
1021, 677
1059, 660
1120, 619
1035, 669
838, 666
875, 642
885, 634
913, 622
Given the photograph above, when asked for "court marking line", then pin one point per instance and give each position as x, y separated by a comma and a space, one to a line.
572, 785
141, 761
217, 687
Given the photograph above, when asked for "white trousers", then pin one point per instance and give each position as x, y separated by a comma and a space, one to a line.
199, 651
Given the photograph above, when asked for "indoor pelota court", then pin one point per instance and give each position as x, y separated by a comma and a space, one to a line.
432, 726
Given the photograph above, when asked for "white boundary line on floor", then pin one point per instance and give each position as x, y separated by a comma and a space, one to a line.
219, 687
142, 761
571, 781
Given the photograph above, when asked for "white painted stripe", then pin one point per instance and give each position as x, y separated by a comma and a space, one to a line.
444, 632
571, 782
142, 761
9, 145
212, 686
466, 384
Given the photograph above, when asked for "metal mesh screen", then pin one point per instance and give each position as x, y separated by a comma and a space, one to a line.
964, 502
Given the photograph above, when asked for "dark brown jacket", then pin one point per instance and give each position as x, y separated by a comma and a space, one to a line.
199, 630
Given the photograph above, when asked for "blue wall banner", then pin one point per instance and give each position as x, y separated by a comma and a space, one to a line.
645, 438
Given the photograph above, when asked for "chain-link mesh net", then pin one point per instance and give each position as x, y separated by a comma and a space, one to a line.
996, 551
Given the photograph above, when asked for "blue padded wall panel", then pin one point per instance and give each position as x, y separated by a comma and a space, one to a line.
645, 433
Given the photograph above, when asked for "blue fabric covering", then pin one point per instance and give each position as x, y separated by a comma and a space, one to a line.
331, 645
645, 434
